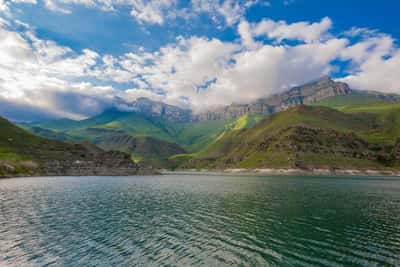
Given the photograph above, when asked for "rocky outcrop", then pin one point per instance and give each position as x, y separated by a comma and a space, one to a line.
301, 139
396, 151
106, 163
305, 94
6, 168
157, 109
301, 95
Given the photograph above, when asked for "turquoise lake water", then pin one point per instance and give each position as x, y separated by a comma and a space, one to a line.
199, 220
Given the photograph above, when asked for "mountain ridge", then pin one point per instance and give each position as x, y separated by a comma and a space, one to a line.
306, 94
305, 137
22, 153
120, 130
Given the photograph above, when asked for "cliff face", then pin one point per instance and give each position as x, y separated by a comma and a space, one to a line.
155, 109
305, 94
80, 160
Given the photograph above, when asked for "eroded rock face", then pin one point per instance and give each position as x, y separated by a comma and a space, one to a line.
7, 167
396, 151
301, 95
83, 161
157, 109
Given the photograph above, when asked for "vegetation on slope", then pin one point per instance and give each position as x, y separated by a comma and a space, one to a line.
24, 153
147, 151
306, 137
355, 99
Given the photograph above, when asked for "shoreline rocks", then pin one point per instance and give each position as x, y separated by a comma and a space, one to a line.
293, 171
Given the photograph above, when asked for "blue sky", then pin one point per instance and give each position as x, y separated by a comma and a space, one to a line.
118, 32
82, 56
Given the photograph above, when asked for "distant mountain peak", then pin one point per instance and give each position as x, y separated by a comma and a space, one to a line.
155, 109
308, 93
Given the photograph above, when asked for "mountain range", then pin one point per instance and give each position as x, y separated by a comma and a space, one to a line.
310, 137
166, 136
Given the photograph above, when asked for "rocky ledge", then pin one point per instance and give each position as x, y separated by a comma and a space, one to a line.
93, 163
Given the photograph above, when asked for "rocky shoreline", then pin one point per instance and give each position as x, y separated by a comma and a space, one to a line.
105, 165
294, 171
117, 173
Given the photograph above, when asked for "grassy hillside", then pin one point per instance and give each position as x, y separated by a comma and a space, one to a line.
304, 136
191, 136
148, 151
13, 142
349, 100
387, 118
24, 153
219, 142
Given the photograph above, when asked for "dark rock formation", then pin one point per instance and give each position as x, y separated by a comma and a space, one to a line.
150, 108
106, 163
301, 95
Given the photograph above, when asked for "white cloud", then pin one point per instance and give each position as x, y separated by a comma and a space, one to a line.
4, 6
302, 31
152, 11
375, 64
246, 35
24, 1
157, 12
232, 11
51, 5
44, 77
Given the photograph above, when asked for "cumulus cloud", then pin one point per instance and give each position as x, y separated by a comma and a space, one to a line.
301, 31
375, 63
231, 11
228, 12
42, 79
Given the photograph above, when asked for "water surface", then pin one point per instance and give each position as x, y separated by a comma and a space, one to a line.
199, 220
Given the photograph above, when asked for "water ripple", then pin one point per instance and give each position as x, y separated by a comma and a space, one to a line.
199, 221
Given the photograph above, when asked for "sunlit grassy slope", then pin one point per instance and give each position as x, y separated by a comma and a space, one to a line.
25, 151
192, 136
310, 136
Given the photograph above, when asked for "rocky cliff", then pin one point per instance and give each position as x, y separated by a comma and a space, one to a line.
301, 95
155, 109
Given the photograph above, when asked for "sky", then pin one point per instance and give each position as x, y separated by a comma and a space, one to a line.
76, 58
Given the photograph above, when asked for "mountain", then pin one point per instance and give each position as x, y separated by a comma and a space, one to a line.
47, 133
310, 137
324, 92
22, 153
194, 132
155, 109
300, 95
190, 135
358, 98
145, 150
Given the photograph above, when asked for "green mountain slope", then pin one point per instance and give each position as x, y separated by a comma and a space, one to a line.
47, 133
306, 137
357, 99
387, 116
148, 151
373, 117
24, 153
191, 135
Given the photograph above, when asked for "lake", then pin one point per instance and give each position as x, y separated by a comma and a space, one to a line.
200, 220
